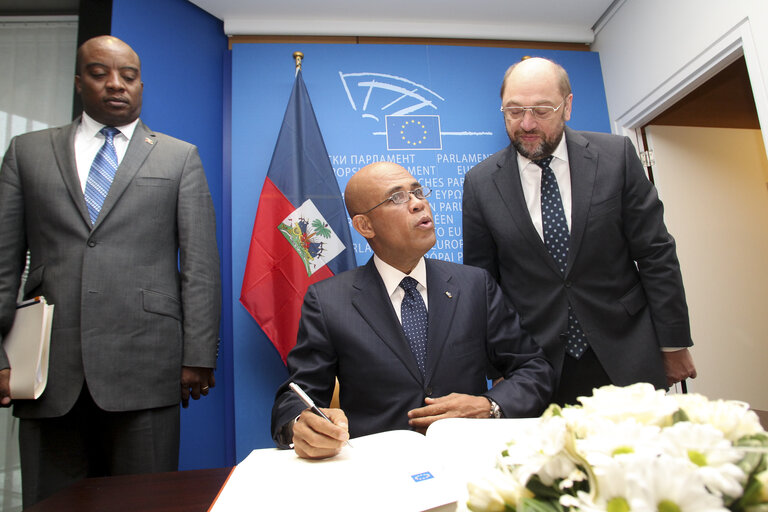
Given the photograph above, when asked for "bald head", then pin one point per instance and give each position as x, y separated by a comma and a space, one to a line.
399, 233
366, 186
105, 43
108, 81
544, 69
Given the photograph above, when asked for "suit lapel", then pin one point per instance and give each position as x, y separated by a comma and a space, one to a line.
507, 179
373, 304
63, 141
443, 298
583, 164
142, 143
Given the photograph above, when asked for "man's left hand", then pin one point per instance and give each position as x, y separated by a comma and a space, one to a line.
195, 381
455, 405
678, 365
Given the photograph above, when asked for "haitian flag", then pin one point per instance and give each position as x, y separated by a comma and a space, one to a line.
301, 233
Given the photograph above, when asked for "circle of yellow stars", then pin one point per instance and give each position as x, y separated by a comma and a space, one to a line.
408, 141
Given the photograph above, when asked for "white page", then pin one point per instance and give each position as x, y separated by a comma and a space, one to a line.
390, 471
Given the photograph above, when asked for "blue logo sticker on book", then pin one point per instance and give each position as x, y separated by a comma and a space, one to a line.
420, 477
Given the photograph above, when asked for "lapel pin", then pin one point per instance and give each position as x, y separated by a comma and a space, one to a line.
449, 295
149, 141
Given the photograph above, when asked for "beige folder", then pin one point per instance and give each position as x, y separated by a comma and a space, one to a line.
27, 345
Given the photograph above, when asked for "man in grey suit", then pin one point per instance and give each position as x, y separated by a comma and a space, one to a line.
362, 326
135, 281
569, 225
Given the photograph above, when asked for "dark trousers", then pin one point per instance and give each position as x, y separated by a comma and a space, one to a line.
579, 377
91, 442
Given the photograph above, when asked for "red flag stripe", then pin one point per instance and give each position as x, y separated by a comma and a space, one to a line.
275, 279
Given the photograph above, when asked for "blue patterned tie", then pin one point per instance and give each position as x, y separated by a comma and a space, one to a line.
556, 239
102, 173
413, 314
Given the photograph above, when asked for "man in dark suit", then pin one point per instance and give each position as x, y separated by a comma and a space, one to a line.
351, 329
135, 281
609, 307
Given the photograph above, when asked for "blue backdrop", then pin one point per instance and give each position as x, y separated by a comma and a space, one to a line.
433, 109
231, 105
185, 65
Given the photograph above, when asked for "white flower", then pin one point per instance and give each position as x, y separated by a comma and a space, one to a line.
607, 439
709, 452
734, 419
541, 453
620, 452
639, 401
484, 496
668, 484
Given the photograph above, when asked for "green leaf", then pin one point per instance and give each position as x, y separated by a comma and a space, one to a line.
540, 490
537, 505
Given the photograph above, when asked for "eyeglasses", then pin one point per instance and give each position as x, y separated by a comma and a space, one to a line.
538, 111
403, 196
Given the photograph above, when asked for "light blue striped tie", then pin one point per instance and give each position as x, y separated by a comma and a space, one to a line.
102, 173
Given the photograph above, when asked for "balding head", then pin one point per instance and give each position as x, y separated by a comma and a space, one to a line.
546, 69
399, 234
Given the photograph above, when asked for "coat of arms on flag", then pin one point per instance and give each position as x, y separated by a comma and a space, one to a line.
311, 236
301, 231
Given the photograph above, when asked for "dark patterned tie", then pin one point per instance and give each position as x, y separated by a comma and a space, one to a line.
556, 239
102, 173
413, 314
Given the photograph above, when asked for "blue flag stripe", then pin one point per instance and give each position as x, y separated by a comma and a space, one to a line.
301, 169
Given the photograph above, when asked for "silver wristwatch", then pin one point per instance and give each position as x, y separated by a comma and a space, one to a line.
495, 409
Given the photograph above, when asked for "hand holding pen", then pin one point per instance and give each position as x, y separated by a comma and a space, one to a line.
318, 434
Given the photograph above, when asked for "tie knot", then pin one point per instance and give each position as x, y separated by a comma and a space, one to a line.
109, 132
544, 162
408, 283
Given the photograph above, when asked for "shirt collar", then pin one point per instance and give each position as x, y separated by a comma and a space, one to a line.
560, 152
392, 277
91, 127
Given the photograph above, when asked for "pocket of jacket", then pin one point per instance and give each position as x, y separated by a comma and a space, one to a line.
634, 300
154, 181
161, 304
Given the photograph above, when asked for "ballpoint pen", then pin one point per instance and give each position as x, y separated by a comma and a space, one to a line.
309, 403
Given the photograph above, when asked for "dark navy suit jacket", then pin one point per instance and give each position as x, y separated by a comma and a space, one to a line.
623, 277
349, 329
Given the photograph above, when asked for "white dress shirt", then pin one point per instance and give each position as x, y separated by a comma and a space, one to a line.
530, 177
88, 142
392, 277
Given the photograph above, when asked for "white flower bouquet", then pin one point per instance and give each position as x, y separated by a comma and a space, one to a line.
632, 449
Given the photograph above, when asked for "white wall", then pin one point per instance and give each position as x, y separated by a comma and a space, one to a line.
655, 51
713, 184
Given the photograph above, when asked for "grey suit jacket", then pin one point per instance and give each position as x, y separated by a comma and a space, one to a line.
349, 330
623, 277
137, 295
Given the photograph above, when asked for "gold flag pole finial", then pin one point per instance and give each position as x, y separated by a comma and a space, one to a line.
298, 56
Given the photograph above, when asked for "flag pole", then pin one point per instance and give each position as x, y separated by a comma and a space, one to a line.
297, 57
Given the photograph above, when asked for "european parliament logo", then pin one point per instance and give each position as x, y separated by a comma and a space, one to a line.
400, 101
413, 132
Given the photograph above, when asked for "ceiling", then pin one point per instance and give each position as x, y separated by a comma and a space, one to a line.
542, 20
570, 21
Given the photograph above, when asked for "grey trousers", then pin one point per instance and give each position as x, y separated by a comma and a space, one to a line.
90, 442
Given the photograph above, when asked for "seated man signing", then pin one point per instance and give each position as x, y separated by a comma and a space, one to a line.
409, 338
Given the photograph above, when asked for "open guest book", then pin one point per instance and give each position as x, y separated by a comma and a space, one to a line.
395, 471
27, 345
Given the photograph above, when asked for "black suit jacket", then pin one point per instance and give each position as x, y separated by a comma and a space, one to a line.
623, 277
349, 329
